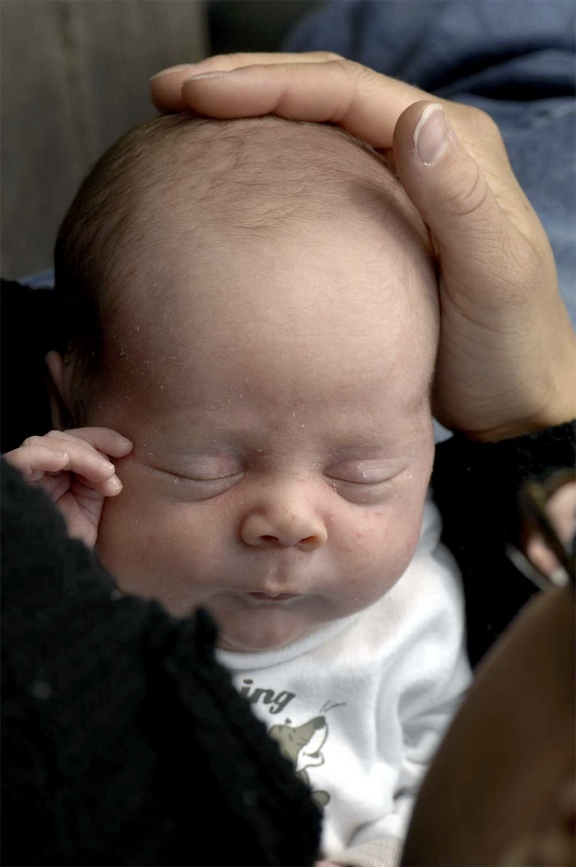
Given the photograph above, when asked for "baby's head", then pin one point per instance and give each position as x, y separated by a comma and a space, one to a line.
253, 303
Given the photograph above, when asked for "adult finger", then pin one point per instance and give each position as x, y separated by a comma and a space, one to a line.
341, 92
507, 343
166, 85
235, 60
448, 186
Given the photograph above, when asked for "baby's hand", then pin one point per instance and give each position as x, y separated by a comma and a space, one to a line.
73, 468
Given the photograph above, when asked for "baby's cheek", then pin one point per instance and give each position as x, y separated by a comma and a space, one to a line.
132, 540
160, 549
386, 545
124, 540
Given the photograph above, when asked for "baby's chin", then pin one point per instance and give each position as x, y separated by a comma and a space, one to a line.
271, 633
257, 644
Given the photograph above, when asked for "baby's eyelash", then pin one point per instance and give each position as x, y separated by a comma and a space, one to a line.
359, 482
368, 473
206, 479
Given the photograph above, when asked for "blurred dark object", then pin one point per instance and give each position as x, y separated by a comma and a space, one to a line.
552, 521
253, 25
29, 322
476, 488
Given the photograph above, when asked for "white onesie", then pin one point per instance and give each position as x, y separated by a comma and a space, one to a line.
360, 704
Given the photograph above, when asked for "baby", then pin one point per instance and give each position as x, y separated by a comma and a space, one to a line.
250, 323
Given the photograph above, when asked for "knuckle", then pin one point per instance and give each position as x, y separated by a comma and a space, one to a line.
361, 77
352, 67
73, 435
58, 435
33, 442
483, 118
236, 59
483, 123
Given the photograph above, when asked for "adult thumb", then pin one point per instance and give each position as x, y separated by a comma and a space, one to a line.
451, 191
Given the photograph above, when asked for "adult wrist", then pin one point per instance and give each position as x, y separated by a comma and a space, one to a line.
556, 408
521, 428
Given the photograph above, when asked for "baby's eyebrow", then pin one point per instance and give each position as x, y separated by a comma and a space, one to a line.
368, 444
420, 399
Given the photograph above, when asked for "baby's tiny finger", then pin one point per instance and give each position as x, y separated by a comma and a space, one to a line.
103, 439
83, 459
110, 488
35, 460
92, 490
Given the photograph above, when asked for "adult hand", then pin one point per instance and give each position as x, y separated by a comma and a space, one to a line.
507, 353
73, 468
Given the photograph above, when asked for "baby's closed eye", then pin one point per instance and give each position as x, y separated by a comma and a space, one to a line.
374, 472
363, 482
200, 477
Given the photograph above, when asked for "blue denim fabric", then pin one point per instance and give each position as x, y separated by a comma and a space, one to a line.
515, 59
40, 279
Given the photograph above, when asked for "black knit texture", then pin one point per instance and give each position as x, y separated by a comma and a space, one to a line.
123, 741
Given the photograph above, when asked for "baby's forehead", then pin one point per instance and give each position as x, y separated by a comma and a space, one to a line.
214, 199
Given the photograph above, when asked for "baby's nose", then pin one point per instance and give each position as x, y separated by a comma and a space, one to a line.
286, 531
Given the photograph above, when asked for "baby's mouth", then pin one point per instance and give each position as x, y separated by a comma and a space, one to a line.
272, 598
275, 597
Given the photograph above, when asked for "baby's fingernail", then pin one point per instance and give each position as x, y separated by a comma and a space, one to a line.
170, 69
431, 134
116, 483
110, 466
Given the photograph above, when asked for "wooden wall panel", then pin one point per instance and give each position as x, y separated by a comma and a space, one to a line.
74, 76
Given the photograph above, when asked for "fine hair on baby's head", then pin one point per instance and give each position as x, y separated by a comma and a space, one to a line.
173, 184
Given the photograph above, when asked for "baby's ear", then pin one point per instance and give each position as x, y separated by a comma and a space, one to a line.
59, 390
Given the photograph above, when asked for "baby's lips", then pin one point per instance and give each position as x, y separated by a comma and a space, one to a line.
277, 597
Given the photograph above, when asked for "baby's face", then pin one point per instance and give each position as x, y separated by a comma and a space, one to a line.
282, 433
